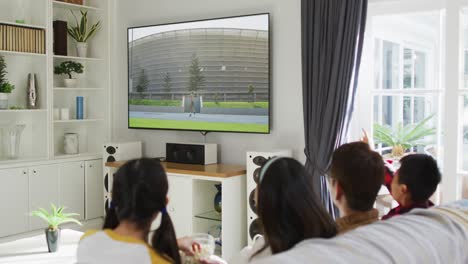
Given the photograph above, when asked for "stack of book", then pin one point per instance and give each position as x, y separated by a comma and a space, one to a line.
22, 39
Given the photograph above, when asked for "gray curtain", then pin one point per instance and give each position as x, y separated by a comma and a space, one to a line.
332, 40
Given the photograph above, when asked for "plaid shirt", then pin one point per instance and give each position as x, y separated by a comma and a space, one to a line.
399, 210
403, 210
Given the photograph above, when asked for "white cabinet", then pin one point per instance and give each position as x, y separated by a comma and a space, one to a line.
94, 188
14, 201
180, 204
43, 190
77, 185
72, 187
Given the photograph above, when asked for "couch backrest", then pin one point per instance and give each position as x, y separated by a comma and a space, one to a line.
437, 235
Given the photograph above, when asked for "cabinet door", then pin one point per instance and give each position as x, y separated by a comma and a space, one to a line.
180, 204
43, 191
14, 201
94, 189
71, 189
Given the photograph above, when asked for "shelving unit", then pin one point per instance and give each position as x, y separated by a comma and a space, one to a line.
21, 25
77, 121
43, 136
5, 52
67, 89
58, 4
76, 58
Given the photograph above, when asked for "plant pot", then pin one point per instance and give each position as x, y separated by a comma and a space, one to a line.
53, 239
70, 83
3, 101
82, 49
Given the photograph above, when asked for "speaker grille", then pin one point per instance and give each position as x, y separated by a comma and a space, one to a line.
110, 159
252, 202
255, 228
111, 150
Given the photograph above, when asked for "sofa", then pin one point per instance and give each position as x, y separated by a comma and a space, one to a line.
423, 236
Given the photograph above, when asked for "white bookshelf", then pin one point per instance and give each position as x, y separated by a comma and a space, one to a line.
42, 139
63, 5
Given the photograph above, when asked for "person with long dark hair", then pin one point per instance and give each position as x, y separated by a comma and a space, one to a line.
288, 209
139, 195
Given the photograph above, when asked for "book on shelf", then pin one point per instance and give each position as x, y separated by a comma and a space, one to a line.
22, 39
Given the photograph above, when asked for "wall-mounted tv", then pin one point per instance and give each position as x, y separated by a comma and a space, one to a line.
207, 75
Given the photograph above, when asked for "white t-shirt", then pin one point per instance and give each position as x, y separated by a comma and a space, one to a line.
245, 256
106, 247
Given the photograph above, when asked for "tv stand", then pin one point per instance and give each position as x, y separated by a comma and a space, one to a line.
191, 201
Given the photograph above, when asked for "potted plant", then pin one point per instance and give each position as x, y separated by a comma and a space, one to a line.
54, 220
67, 68
82, 33
402, 137
5, 87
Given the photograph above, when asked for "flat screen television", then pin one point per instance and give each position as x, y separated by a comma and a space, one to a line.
207, 75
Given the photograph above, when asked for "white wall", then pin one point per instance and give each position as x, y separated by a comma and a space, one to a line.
287, 129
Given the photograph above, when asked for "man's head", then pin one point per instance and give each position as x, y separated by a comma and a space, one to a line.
357, 174
416, 179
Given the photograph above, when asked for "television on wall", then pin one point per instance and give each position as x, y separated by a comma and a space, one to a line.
207, 75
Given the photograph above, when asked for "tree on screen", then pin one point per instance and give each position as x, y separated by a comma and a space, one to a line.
196, 80
143, 83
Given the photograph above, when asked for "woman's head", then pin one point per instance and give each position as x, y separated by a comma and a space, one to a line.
139, 193
288, 208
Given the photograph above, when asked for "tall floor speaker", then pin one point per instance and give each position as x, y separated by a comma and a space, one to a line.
255, 160
117, 152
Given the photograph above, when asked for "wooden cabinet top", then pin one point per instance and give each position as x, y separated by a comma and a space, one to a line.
212, 170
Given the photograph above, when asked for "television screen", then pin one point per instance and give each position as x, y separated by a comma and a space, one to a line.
210, 75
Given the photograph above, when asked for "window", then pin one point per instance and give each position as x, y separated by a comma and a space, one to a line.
402, 96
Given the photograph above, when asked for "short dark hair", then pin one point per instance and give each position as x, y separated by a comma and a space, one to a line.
420, 174
360, 172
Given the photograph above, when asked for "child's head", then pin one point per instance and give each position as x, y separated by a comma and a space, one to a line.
139, 193
357, 174
287, 206
416, 179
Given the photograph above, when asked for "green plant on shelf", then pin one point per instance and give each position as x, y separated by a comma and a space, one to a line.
16, 107
68, 67
5, 86
81, 32
56, 217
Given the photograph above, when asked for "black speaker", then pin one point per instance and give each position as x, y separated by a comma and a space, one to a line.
200, 154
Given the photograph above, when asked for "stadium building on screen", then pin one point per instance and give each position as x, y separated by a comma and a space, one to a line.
230, 60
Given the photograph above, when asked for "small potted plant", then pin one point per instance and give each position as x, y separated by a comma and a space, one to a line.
402, 137
54, 219
5, 87
67, 68
81, 34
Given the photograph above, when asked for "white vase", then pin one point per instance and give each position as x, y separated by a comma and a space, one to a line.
82, 49
70, 83
3, 101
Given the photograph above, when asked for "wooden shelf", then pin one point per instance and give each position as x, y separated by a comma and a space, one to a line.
77, 121
59, 4
22, 53
23, 111
76, 58
21, 25
212, 170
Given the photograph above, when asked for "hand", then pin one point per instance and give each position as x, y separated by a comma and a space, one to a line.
364, 137
188, 246
213, 260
